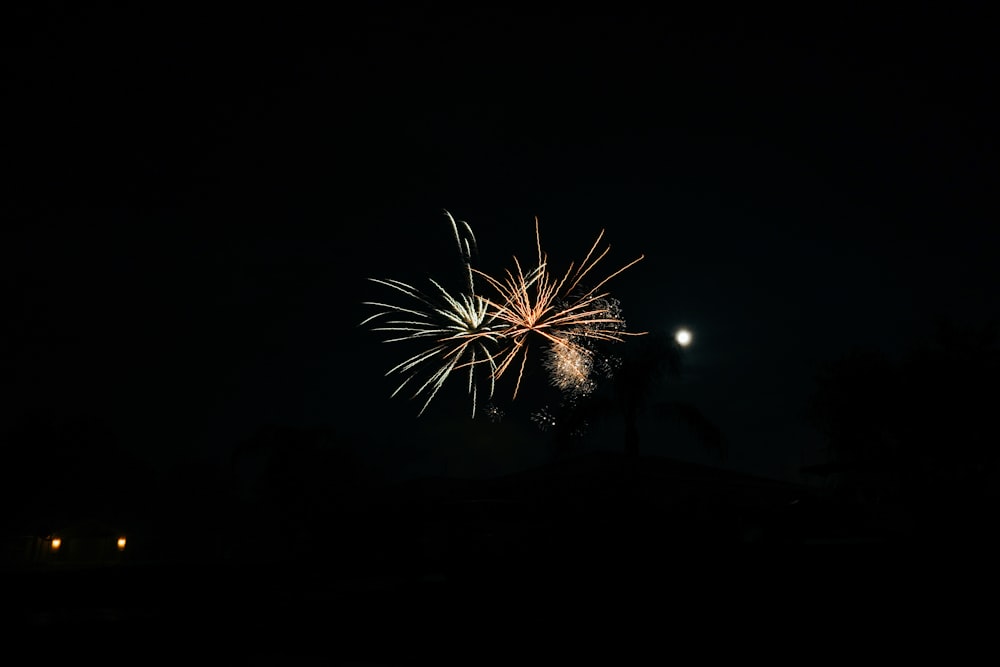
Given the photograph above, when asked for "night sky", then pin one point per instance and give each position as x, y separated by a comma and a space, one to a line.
193, 204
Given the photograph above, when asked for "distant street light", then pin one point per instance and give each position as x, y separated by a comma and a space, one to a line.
683, 337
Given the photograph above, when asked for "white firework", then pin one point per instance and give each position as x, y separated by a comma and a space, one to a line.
461, 329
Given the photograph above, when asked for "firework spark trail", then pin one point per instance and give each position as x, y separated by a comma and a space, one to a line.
559, 311
462, 327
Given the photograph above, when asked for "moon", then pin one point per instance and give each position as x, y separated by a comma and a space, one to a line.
683, 337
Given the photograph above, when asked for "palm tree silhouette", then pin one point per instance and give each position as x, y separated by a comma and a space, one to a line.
632, 391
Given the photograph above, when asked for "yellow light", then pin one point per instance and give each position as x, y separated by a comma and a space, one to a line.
56, 543
121, 544
683, 337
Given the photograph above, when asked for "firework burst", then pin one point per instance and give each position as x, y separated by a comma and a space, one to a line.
563, 313
570, 368
461, 327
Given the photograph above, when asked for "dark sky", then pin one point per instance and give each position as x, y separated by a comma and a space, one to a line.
193, 203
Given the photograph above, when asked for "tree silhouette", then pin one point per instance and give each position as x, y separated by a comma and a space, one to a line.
637, 375
857, 406
918, 431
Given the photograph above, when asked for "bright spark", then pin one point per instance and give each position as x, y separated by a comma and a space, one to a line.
570, 368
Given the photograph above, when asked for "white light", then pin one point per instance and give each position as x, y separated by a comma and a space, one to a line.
683, 337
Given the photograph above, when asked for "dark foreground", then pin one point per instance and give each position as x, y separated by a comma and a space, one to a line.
560, 566
736, 603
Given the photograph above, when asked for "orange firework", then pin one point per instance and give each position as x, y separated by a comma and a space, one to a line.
561, 312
